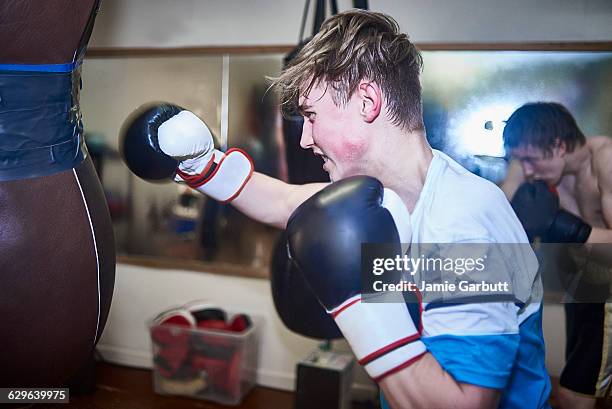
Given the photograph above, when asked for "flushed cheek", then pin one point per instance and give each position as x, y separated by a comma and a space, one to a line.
348, 150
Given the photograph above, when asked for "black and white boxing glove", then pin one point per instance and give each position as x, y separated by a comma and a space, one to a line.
166, 141
324, 239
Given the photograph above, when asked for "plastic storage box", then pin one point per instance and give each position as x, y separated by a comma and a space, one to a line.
215, 365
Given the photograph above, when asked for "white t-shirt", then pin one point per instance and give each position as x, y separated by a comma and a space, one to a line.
490, 344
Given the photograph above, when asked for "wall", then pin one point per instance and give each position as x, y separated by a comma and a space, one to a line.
159, 23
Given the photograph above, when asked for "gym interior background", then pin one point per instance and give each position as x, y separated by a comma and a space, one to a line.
483, 59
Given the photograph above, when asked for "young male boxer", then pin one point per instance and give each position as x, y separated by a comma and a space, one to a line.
357, 86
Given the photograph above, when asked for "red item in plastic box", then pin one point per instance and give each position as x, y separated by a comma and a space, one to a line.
240, 322
173, 343
222, 374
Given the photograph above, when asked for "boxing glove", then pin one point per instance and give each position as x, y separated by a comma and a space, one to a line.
240, 323
208, 318
139, 145
165, 141
222, 373
170, 335
294, 301
325, 235
537, 207
215, 354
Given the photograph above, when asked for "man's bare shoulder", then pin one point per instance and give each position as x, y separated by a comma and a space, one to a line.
601, 148
597, 143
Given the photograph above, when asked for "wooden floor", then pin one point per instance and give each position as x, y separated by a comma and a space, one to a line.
120, 387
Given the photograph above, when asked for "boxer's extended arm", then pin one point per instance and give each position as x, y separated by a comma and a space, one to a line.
271, 201
231, 178
166, 141
425, 385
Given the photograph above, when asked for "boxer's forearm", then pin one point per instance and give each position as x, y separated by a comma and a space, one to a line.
597, 247
271, 201
514, 178
600, 235
425, 384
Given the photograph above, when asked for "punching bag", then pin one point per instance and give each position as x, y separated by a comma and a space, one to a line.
57, 252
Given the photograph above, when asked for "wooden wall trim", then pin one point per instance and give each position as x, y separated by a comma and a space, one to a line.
541, 46
194, 265
103, 52
114, 52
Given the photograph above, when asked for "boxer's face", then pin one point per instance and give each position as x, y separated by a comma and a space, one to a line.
335, 133
539, 166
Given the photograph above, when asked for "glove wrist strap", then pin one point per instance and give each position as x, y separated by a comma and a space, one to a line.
223, 177
381, 334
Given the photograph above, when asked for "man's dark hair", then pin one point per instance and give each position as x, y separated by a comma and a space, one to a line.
542, 125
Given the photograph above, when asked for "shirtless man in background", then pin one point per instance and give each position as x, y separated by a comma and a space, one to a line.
548, 149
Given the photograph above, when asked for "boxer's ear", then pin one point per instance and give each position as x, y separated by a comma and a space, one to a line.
370, 97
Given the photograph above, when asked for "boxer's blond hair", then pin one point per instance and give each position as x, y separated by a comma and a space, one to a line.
352, 46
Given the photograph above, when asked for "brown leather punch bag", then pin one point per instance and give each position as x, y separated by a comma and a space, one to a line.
57, 252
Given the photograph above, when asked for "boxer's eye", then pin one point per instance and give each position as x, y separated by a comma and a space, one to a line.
310, 115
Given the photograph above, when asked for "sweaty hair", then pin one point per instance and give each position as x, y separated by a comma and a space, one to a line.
542, 125
353, 46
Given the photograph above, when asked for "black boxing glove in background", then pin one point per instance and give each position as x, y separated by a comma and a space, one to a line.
537, 207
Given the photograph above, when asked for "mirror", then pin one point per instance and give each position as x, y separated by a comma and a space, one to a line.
466, 95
